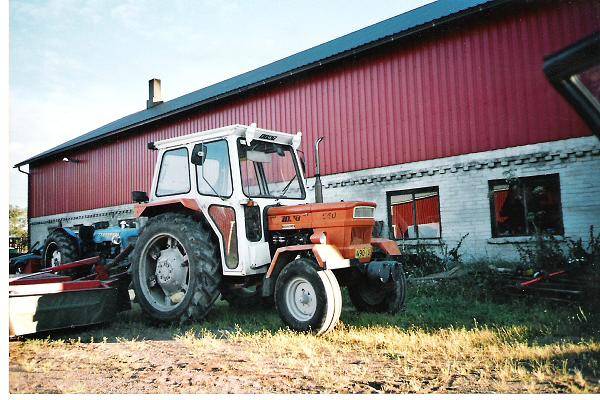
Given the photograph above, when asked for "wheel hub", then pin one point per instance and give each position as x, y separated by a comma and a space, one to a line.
170, 271
300, 296
56, 258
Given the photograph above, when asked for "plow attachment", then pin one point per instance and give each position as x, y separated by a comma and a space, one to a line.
46, 301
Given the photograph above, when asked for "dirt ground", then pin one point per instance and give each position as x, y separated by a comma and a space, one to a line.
424, 350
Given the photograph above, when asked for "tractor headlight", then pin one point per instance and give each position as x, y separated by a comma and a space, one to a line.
317, 238
364, 212
323, 238
116, 240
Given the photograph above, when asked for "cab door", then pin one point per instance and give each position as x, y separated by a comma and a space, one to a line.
214, 184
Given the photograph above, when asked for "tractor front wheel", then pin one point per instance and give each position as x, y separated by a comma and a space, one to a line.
175, 268
308, 299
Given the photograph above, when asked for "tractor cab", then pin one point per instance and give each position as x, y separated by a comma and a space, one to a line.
233, 175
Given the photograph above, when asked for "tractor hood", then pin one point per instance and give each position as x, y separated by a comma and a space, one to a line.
322, 215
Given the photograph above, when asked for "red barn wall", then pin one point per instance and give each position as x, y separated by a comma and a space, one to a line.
465, 88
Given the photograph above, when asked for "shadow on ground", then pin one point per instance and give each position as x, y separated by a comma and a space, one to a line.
428, 309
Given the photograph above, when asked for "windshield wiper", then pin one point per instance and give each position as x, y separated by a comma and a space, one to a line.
286, 187
211, 186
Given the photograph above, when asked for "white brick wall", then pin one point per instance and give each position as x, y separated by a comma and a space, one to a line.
464, 203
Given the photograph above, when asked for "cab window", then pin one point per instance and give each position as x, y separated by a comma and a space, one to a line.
213, 176
269, 170
174, 175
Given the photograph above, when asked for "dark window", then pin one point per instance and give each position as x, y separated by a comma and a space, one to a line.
519, 206
174, 175
414, 214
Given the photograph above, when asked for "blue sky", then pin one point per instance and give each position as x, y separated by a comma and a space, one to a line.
77, 65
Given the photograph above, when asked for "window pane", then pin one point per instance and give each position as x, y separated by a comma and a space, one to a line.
402, 213
174, 175
428, 214
509, 210
214, 175
249, 178
543, 204
275, 165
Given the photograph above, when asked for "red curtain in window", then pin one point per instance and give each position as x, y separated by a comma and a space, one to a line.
402, 219
428, 210
500, 198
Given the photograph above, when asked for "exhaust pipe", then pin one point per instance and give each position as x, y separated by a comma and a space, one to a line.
318, 184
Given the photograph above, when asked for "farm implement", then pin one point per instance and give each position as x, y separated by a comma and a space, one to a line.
80, 293
571, 284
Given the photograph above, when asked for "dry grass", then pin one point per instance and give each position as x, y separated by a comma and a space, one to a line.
446, 341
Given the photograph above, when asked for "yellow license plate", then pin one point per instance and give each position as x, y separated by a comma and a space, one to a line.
364, 252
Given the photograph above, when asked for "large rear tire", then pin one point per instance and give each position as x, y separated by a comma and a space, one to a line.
375, 297
175, 268
308, 299
59, 249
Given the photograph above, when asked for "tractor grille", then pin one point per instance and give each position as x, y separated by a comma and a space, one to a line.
360, 235
364, 212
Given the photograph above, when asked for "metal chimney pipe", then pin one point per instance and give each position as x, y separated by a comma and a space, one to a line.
318, 184
154, 95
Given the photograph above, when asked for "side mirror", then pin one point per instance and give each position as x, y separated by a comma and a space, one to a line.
139, 197
302, 162
198, 154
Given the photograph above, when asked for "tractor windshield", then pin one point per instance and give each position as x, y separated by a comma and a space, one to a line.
269, 170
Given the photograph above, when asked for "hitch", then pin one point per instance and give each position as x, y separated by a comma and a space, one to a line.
383, 271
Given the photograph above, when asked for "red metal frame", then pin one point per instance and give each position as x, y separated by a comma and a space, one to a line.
34, 281
542, 278
86, 262
54, 287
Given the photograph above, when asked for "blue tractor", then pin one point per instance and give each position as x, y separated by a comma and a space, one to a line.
66, 245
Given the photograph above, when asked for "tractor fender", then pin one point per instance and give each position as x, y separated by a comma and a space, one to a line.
327, 256
388, 246
160, 207
184, 205
68, 231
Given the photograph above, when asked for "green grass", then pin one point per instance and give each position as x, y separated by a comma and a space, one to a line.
449, 338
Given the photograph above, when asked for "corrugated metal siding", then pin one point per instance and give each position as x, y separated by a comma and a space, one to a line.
476, 87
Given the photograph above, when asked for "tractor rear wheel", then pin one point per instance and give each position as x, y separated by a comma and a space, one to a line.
377, 297
175, 268
59, 249
308, 299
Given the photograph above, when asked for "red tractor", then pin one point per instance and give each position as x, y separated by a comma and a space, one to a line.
228, 214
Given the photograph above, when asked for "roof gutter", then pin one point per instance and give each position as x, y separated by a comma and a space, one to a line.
352, 52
